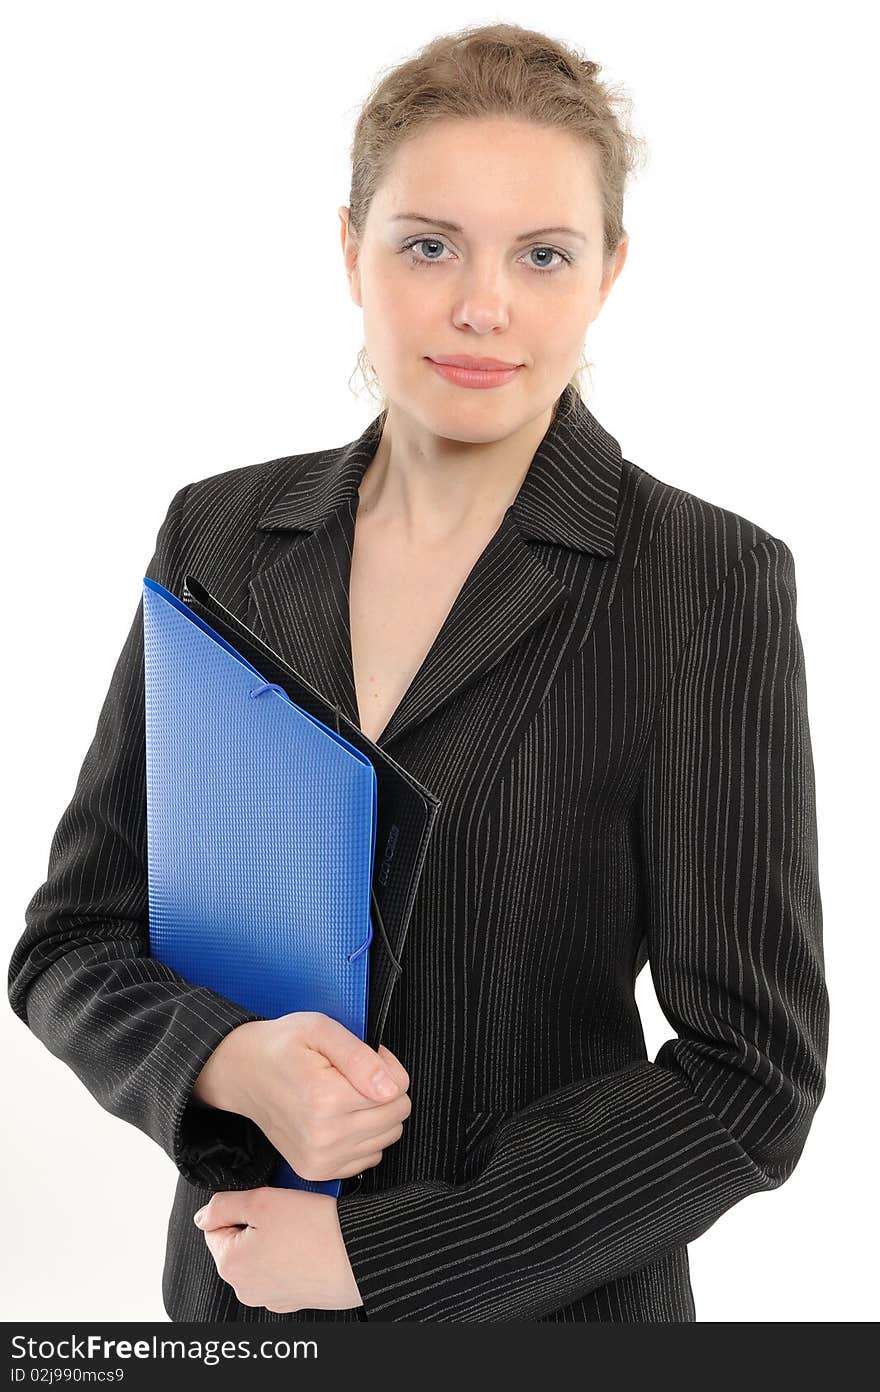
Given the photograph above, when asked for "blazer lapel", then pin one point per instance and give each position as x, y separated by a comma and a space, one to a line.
568, 498
301, 601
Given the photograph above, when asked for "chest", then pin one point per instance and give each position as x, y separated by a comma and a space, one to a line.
399, 599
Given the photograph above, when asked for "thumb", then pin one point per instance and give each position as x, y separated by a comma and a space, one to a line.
227, 1209
394, 1066
354, 1058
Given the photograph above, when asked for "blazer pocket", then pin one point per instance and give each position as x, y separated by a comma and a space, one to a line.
479, 1136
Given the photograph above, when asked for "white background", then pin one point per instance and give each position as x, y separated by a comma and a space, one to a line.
174, 305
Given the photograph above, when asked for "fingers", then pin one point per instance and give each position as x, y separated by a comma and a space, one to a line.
380, 1077
367, 1162
387, 1138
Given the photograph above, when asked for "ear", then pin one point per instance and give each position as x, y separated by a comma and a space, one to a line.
350, 252
612, 268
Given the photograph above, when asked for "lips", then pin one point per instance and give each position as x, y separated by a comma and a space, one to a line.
466, 375
474, 363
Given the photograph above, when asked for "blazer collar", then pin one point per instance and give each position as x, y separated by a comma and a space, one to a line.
568, 496
517, 593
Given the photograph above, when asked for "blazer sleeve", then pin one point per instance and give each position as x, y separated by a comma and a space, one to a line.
81, 976
604, 1175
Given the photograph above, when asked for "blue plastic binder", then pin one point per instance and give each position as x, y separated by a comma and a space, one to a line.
261, 834
408, 810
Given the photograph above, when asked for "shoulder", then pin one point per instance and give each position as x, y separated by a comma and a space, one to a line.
681, 529
234, 499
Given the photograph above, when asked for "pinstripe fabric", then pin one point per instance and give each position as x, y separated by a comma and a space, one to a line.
614, 716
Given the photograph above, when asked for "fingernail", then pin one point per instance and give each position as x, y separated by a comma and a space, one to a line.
383, 1083
197, 1217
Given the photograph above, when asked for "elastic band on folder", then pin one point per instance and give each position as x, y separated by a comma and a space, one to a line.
267, 686
353, 956
391, 957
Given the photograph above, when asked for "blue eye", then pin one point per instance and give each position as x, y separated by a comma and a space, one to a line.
436, 242
421, 241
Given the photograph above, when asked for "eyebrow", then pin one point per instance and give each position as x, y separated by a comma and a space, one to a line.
454, 227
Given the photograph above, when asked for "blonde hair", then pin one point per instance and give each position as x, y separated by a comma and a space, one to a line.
491, 70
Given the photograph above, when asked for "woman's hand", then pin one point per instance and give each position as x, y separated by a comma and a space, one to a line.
280, 1248
313, 1088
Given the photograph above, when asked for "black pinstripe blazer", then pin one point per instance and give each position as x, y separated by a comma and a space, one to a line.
614, 715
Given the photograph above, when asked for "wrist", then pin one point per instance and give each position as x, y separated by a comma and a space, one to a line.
223, 1081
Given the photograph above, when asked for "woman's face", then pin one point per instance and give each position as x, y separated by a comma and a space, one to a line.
473, 274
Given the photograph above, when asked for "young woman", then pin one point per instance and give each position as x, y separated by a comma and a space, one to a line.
600, 676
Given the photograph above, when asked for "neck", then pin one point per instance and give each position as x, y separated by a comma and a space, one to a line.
433, 488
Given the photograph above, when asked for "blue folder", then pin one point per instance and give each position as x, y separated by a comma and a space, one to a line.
261, 834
